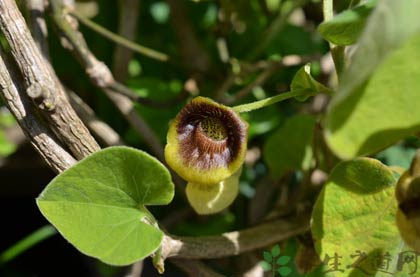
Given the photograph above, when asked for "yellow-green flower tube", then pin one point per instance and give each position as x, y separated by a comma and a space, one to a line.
210, 199
206, 142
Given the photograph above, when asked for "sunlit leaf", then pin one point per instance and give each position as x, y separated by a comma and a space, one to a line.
98, 205
345, 28
355, 213
375, 104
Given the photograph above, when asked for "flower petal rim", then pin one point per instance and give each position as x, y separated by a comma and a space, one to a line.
195, 174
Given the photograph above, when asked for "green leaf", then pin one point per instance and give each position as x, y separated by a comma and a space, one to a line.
98, 205
356, 212
7, 147
267, 256
290, 147
283, 260
284, 271
275, 251
304, 80
375, 103
345, 28
265, 265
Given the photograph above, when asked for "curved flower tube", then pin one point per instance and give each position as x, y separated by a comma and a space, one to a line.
206, 142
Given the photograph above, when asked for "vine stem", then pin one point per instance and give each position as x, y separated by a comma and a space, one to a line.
327, 9
148, 52
272, 100
337, 52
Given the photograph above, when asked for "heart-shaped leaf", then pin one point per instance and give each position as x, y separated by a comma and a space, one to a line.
98, 205
354, 216
375, 105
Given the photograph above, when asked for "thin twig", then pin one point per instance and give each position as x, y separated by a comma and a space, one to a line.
270, 67
261, 79
148, 52
127, 109
196, 58
117, 87
101, 76
100, 129
127, 27
97, 71
229, 81
275, 27
245, 69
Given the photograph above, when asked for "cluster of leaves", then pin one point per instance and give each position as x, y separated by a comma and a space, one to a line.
273, 258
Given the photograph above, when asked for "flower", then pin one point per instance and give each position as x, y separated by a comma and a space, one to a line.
210, 199
206, 142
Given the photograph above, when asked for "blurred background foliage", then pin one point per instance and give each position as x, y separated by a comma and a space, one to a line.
235, 40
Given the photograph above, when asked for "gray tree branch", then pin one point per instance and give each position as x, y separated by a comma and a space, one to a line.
41, 84
43, 140
234, 243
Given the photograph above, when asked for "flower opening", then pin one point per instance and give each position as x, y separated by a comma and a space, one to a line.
206, 142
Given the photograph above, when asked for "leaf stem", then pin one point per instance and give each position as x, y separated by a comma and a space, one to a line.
337, 52
272, 100
148, 52
327, 9
26, 243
